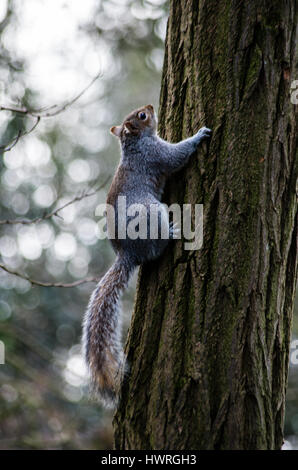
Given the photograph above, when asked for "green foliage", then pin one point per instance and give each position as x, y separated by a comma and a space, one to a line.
44, 396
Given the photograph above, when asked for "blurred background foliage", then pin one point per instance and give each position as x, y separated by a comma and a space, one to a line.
49, 51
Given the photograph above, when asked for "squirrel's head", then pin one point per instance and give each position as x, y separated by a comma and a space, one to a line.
142, 121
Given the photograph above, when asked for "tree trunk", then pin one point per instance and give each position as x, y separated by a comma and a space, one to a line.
208, 347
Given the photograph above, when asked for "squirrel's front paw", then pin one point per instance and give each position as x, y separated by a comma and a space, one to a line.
204, 133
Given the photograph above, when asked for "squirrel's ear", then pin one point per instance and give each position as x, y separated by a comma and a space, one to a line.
149, 106
116, 130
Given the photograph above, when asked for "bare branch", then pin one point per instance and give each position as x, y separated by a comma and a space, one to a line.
54, 213
48, 284
68, 103
20, 134
45, 217
14, 142
45, 112
39, 114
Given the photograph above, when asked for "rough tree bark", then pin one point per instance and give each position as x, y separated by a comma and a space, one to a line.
209, 343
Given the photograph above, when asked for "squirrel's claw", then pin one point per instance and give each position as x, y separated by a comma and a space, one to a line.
205, 132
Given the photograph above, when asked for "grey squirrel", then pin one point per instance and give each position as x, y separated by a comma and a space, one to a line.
146, 162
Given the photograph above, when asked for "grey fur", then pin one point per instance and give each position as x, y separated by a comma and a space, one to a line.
146, 162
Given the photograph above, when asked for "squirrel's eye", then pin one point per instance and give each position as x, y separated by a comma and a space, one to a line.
142, 116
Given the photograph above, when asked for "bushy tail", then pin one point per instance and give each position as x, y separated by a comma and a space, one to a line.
102, 332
